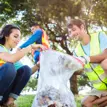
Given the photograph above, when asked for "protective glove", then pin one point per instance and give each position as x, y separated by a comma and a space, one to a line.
85, 59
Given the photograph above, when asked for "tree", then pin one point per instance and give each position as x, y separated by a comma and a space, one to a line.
52, 15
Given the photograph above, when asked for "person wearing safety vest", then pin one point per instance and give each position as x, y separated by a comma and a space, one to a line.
39, 36
93, 49
13, 74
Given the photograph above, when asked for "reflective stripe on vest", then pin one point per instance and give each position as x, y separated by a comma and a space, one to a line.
94, 71
45, 40
102, 77
90, 69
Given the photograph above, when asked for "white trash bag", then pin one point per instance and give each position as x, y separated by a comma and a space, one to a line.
55, 70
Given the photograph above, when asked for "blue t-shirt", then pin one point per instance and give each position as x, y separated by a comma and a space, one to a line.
35, 37
17, 64
103, 44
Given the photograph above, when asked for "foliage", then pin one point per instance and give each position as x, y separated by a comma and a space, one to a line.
32, 84
53, 15
25, 101
83, 80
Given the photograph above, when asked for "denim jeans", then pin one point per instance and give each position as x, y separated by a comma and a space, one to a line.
12, 82
36, 59
36, 56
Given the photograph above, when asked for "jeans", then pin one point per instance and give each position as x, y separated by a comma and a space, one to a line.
36, 59
12, 82
36, 56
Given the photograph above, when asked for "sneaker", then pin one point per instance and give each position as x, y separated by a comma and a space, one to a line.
52, 105
10, 105
2, 106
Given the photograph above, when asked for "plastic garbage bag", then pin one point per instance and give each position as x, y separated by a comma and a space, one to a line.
56, 69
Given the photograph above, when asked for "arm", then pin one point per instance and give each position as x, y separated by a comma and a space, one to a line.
35, 68
19, 54
16, 56
93, 59
96, 58
101, 102
103, 47
35, 37
99, 58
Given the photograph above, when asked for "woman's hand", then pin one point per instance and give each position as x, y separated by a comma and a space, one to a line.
36, 46
35, 67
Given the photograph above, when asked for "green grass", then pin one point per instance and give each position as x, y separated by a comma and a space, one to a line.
26, 101
78, 99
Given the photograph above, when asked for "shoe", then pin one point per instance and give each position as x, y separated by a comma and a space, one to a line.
10, 105
52, 105
2, 106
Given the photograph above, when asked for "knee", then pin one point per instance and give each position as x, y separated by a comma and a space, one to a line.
10, 72
86, 104
26, 70
104, 64
10, 68
83, 103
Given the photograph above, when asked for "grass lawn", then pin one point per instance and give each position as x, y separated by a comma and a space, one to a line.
26, 101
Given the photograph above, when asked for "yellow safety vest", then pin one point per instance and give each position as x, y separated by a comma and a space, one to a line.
1, 61
94, 71
45, 40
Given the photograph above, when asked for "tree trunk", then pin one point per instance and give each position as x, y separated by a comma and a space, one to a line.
73, 84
